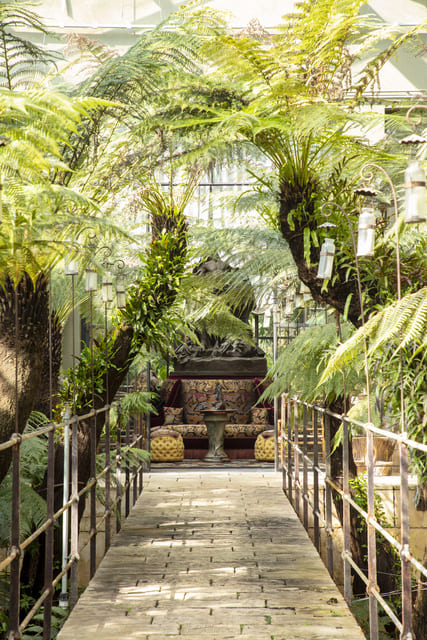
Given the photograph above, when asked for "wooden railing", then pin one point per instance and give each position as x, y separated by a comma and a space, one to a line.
127, 482
298, 419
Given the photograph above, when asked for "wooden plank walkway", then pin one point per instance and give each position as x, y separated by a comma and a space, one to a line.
212, 555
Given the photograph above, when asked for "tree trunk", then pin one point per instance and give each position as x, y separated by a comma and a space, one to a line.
47, 396
294, 197
23, 329
301, 197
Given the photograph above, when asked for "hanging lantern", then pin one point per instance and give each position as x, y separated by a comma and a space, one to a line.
366, 233
71, 266
107, 289
415, 197
267, 316
91, 280
121, 292
326, 261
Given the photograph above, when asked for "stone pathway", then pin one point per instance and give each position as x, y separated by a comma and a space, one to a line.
212, 555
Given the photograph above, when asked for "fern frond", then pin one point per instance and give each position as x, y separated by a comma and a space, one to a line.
299, 367
400, 324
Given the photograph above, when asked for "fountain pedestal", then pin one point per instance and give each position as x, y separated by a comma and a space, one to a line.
215, 421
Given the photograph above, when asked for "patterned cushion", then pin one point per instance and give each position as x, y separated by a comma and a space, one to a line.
173, 415
167, 449
259, 415
200, 395
243, 430
191, 430
264, 448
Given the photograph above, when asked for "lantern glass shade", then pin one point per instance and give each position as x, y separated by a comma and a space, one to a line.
121, 299
366, 233
71, 266
298, 301
107, 289
121, 292
415, 195
91, 281
326, 261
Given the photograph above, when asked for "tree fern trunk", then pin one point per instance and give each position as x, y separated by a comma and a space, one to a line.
23, 330
49, 384
301, 197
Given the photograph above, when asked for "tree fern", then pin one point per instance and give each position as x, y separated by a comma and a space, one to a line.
20, 59
298, 369
399, 324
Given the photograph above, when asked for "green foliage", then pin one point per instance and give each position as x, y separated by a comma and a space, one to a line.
34, 631
20, 58
401, 323
33, 509
139, 402
261, 256
359, 493
163, 265
89, 374
299, 367
33, 466
33, 127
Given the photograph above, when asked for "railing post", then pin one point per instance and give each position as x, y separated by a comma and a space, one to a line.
107, 480
372, 556
328, 495
296, 460
291, 418
119, 472
404, 536
284, 422
304, 470
135, 467
346, 512
15, 542
92, 543
148, 416
141, 470
316, 512
63, 598
74, 512
48, 558
127, 469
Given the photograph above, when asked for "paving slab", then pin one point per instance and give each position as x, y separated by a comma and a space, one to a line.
216, 555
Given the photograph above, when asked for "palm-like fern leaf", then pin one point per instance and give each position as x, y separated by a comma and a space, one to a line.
19, 58
400, 324
299, 366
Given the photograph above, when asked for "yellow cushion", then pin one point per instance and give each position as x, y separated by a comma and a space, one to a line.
264, 448
167, 449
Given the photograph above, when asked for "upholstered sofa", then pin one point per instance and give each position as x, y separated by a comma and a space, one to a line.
185, 399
